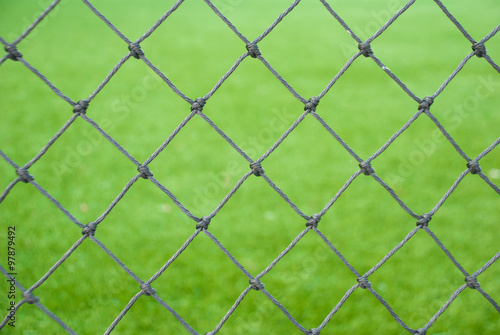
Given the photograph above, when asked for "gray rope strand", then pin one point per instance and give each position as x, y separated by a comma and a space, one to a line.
342, 22
230, 311
226, 21
455, 21
391, 21
46, 81
278, 20
57, 264
36, 22
160, 21
169, 138
174, 257
392, 252
453, 74
337, 307
106, 21
51, 141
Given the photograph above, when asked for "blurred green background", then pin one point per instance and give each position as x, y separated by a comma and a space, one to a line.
194, 48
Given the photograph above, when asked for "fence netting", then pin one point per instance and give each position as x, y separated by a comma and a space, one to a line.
196, 109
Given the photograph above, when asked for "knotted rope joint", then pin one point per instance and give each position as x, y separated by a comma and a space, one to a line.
364, 283
256, 284
311, 104
147, 289
424, 220
30, 298
203, 223
24, 175
426, 103
366, 168
474, 167
144, 171
89, 229
313, 221
257, 169
12, 52
366, 49
479, 49
135, 50
472, 282
81, 107
197, 105
253, 50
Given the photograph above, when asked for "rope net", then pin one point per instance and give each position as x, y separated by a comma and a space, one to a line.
170, 285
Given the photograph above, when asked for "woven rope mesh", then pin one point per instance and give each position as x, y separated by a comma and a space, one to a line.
246, 167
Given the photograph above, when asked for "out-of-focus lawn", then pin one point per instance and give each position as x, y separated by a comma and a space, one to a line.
75, 50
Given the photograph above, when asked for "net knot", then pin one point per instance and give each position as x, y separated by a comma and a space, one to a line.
314, 331
135, 50
147, 289
257, 169
24, 175
89, 229
12, 52
311, 104
364, 282
474, 167
426, 103
479, 49
144, 171
256, 284
253, 50
203, 223
420, 331
366, 49
197, 105
81, 107
313, 221
30, 298
424, 220
472, 282
366, 168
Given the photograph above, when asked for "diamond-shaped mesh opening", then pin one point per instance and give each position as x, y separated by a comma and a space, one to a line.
347, 109
52, 43
84, 152
236, 167
120, 105
188, 47
308, 148
163, 225
421, 165
252, 96
254, 213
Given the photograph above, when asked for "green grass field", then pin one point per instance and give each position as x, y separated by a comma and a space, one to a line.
194, 48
